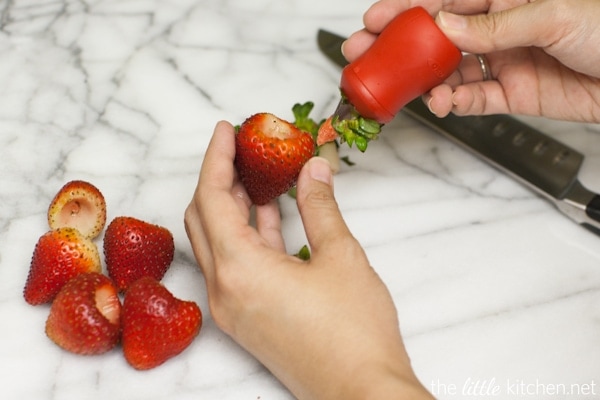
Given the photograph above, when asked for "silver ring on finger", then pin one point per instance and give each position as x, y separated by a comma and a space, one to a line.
485, 67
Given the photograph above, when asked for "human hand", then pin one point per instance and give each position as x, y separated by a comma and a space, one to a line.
542, 54
327, 327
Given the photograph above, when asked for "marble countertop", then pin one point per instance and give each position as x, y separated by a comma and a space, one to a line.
498, 293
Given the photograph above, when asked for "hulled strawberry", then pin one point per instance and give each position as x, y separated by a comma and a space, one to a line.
85, 315
156, 326
270, 153
59, 255
134, 249
80, 205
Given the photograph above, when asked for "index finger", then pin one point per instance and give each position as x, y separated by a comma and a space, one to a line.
223, 199
215, 184
383, 11
220, 200
379, 15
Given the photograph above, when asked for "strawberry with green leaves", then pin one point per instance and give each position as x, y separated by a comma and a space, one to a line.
59, 255
134, 249
270, 152
156, 326
85, 315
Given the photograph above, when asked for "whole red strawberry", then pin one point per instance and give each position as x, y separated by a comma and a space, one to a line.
59, 255
156, 326
80, 205
134, 249
270, 153
85, 315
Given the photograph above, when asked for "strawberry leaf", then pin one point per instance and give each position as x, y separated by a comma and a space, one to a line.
303, 253
302, 119
353, 127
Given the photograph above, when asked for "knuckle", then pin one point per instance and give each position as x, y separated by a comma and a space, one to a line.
319, 198
189, 216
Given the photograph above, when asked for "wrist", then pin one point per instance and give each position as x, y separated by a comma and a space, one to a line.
387, 383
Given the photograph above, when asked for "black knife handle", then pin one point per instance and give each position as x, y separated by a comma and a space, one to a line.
593, 208
593, 211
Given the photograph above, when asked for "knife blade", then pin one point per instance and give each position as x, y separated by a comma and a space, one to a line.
540, 162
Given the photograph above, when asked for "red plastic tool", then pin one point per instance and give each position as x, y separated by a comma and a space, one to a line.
409, 57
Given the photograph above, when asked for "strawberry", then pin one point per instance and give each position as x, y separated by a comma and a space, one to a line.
80, 205
59, 255
326, 132
156, 325
270, 153
134, 249
85, 315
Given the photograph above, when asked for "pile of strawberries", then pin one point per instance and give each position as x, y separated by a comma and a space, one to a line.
86, 314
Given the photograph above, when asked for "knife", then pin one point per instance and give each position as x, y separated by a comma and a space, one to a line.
540, 162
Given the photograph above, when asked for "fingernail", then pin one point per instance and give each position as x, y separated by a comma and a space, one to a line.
320, 170
451, 21
454, 103
428, 100
342, 47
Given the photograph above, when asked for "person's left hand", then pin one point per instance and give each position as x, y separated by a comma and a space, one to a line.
327, 328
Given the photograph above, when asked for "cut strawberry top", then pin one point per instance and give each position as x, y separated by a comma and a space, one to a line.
156, 325
274, 127
85, 315
79, 205
107, 302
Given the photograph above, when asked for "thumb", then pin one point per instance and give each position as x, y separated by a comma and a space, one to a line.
506, 29
320, 213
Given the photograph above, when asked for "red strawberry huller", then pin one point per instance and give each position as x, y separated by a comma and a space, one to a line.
408, 58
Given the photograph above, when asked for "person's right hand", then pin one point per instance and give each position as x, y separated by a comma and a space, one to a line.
543, 55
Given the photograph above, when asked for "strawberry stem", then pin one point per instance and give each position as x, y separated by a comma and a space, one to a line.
353, 127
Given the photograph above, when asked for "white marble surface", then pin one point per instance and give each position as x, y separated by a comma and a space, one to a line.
498, 294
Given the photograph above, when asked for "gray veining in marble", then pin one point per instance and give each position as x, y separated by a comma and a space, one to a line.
493, 286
